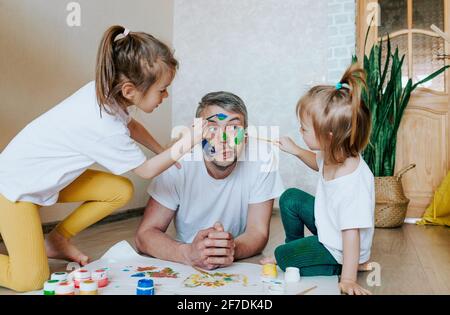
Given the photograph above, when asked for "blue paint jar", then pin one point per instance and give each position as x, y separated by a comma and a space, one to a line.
145, 287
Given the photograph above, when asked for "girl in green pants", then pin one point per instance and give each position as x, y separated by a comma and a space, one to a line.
335, 123
307, 253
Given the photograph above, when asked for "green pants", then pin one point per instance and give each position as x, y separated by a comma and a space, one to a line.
305, 253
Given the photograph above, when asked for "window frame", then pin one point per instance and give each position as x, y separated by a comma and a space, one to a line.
363, 20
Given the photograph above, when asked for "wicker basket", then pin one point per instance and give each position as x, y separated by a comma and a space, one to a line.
391, 202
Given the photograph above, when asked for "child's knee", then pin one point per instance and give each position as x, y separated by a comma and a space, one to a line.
287, 197
124, 189
31, 280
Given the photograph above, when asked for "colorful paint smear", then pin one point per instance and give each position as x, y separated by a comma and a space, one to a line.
215, 280
150, 268
155, 272
164, 273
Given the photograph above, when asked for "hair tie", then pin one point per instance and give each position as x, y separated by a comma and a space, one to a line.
122, 35
338, 86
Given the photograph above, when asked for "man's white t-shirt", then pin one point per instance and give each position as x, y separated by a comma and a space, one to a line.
200, 200
57, 147
347, 202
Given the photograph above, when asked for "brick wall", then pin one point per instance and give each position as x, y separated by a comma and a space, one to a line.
341, 36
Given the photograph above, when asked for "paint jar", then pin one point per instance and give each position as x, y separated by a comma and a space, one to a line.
145, 287
292, 274
270, 271
88, 287
81, 275
101, 277
65, 288
60, 276
50, 286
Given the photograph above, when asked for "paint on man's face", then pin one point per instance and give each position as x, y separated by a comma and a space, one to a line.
232, 136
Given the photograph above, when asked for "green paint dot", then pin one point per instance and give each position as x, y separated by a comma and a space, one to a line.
224, 136
240, 137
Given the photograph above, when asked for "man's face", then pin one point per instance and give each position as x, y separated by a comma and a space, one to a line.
225, 140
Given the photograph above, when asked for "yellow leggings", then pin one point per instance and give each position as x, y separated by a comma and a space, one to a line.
26, 266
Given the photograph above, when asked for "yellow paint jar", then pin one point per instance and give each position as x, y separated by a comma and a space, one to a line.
270, 271
88, 287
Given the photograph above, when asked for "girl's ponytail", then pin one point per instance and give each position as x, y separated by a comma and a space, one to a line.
355, 78
340, 111
137, 58
105, 69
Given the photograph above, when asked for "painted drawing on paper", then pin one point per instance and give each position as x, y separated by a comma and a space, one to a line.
214, 280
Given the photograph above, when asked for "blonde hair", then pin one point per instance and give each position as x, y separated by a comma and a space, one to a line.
134, 57
340, 111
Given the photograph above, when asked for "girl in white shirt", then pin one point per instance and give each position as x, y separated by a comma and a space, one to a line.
48, 161
336, 123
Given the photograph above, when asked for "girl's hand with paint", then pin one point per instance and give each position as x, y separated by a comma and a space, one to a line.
194, 135
187, 139
286, 144
350, 287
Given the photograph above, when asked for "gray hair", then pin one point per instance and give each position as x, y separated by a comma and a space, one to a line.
228, 101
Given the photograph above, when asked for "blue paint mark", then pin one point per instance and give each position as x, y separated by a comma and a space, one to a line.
139, 275
222, 116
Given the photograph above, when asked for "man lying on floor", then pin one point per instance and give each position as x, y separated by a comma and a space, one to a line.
222, 197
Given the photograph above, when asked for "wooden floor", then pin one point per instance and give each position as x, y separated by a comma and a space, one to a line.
413, 259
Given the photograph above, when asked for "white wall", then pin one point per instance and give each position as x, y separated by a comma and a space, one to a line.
268, 52
43, 61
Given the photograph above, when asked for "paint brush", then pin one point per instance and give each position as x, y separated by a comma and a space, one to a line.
203, 272
264, 139
307, 290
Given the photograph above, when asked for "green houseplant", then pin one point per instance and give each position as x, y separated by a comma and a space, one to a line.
387, 100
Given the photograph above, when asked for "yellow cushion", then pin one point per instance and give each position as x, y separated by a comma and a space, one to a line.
438, 212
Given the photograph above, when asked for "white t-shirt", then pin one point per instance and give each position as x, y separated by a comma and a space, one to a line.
57, 147
200, 200
347, 202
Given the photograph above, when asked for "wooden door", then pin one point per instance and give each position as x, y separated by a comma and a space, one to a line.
424, 135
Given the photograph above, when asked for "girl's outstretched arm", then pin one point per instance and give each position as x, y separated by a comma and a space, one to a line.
142, 136
161, 162
286, 144
351, 247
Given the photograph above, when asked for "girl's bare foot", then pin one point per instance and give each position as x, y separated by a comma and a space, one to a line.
268, 260
59, 247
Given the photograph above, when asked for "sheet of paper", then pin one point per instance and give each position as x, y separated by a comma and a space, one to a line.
125, 267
